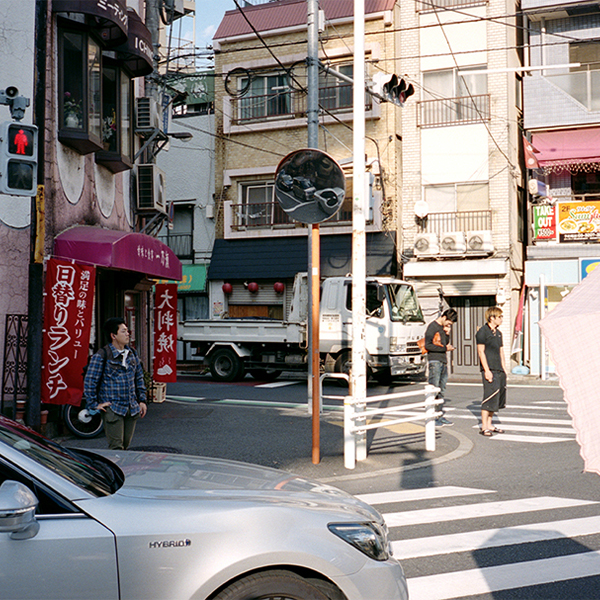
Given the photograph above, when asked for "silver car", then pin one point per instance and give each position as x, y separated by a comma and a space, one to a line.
86, 525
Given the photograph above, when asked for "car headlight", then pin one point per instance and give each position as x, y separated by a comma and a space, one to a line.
397, 347
369, 538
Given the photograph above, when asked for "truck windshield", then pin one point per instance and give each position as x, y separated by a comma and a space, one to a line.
404, 303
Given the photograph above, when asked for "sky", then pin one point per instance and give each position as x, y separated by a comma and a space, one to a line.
208, 16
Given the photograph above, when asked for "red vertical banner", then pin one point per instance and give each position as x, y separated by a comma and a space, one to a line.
68, 306
165, 332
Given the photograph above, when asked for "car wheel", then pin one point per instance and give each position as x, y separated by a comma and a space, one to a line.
90, 427
226, 365
265, 374
272, 585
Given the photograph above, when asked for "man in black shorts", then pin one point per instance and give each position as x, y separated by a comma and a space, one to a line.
493, 369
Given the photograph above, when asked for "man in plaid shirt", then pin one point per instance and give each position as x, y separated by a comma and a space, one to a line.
114, 384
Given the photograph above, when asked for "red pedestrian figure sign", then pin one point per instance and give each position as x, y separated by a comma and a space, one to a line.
21, 142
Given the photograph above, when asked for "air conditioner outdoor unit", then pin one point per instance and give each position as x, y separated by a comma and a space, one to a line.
480, 241
150, 188
453, 242
147, 114
426, 244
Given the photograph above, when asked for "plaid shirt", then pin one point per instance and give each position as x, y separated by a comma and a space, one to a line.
122, 386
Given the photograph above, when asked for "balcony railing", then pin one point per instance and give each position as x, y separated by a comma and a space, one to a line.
431, 5
473, 220
454, 111
584, 86
290, 105
270, 214
180, 243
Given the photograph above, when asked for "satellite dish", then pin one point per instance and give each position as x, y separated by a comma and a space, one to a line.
310, 186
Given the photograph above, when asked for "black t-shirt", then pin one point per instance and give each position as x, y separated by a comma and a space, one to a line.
492, 340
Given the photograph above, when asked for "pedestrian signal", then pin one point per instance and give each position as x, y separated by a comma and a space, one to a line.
18, 159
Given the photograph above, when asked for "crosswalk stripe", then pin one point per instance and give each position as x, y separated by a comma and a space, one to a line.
420, 494
484, 509
534, 429
486, 580
503, 419
533, 407
276, 384
530, 439
493, 538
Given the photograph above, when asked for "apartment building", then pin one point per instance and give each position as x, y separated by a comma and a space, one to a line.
462, 195
260, 115
561, 97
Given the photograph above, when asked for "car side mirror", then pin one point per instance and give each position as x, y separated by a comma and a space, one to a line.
17, 511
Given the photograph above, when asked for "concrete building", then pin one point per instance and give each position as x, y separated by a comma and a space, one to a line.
562, 118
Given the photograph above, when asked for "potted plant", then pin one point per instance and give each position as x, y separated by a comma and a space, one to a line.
73, 111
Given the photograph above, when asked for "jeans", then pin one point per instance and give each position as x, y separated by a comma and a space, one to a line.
438, 376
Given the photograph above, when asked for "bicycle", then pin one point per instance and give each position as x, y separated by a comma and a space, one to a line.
81, 421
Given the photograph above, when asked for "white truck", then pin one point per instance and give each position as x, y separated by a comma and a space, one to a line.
266, 347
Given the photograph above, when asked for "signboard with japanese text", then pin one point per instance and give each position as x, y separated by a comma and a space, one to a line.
165, 332
544, 222
579, 221
68, 305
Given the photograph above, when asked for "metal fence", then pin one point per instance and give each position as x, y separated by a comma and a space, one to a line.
472, 220
454, 111
358, 419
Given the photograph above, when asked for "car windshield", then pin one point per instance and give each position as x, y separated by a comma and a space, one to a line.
93, 473
404, 303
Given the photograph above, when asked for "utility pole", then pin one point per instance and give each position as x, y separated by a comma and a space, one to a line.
358, 373
314, 246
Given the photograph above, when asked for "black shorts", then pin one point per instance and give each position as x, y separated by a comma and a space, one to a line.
494, 392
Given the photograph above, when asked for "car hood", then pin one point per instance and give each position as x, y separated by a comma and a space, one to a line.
176, 477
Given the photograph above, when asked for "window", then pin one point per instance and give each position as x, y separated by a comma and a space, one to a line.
452, 96
457, 197
334, 93
586, 53
258, 206
79, 91
267, 96
116, 118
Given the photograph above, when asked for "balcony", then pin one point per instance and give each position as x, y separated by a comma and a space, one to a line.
448, 4
474, 220
454, 111
180, 243
270, 215
290, 105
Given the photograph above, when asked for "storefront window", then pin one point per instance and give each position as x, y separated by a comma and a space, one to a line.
79, 93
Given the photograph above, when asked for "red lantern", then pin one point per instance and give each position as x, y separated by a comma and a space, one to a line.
253, 287
278, 287
227, 288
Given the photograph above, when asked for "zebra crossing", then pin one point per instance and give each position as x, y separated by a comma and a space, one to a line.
493, 560
538, 422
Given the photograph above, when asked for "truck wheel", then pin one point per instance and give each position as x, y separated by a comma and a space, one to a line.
272, 585
343, 362
265, 374
226, 365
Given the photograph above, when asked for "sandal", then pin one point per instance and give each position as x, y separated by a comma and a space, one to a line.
496, 430
485, 432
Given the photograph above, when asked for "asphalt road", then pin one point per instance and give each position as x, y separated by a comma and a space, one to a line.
508, 517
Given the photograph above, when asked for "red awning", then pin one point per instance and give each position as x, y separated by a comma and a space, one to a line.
567, 148
118, 250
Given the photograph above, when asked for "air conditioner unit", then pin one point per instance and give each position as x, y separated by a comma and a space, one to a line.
480, 241
426, 244
147, 114
453, 242
150, 189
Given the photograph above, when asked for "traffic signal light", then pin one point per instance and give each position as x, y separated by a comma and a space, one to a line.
390, 88
18, 159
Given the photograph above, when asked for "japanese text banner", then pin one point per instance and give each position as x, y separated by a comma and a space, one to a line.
68, 305
165, 332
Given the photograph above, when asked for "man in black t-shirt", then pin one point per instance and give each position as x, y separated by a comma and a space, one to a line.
437, 345
493, 370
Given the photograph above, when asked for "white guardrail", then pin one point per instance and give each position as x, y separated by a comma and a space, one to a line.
357, 415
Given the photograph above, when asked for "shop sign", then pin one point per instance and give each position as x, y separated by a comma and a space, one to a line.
544, 222
587, 265
579, 221
165, 332
69, 300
